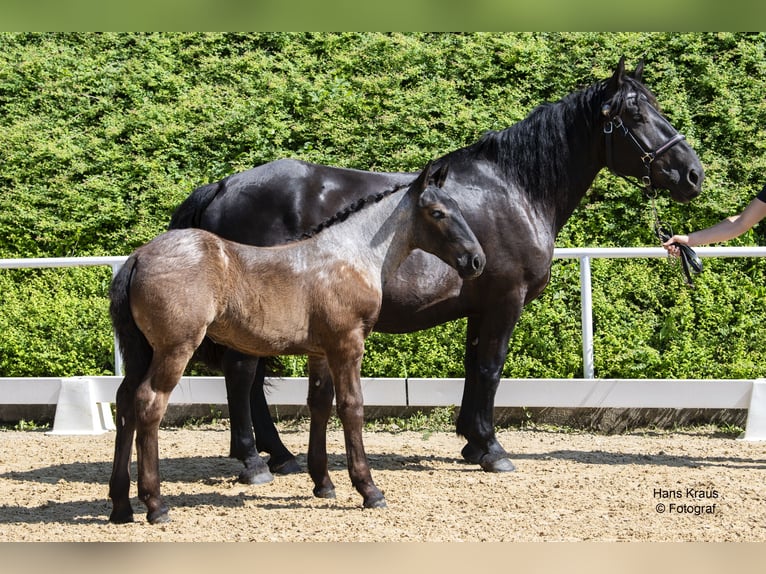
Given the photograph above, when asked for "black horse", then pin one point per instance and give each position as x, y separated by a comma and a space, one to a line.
517, 188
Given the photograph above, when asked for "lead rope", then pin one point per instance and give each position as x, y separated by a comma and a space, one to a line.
690, 261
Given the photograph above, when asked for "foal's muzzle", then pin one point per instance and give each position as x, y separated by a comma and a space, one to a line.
471, 265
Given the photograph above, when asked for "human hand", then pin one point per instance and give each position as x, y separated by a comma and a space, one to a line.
671, 245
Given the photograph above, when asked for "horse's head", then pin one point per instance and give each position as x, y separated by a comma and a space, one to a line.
641, 143
440, 227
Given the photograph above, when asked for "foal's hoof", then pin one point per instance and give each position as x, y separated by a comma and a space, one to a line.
376, 503
289, 466
158, 516
324, 492
499, 465
261, 475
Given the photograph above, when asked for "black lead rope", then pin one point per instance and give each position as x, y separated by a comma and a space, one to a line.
690, 261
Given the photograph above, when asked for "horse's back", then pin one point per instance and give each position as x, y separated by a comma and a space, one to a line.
279, 200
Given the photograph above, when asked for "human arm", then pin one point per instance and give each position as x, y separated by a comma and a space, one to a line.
728, 228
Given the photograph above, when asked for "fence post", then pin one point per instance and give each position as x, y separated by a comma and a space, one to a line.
586, 313
117, 355
755, 428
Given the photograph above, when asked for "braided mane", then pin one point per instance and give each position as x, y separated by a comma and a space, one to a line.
344, 213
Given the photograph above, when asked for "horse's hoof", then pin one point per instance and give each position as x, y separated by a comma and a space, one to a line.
324, 492
256, 476
289, 466
475, 455
121, 517
159, 516
376, 503
499, 465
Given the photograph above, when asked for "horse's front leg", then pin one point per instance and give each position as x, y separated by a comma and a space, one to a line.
320, 395
486, 349
281, 460
239, 371
345, 371
119, 482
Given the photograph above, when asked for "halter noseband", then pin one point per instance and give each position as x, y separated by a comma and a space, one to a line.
647, 156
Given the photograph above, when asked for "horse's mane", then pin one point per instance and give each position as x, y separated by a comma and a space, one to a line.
536, 151
354, 207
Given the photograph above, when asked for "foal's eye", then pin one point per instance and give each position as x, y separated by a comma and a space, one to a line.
437, 214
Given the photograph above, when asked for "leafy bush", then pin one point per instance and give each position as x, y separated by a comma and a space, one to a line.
102, 135
55, 323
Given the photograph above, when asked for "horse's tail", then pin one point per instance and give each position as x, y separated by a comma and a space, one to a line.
189, 213
135, 349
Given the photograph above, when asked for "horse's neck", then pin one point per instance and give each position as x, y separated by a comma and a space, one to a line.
377, 238
583, 161
569, 154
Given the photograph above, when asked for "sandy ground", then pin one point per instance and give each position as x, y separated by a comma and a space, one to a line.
569, 486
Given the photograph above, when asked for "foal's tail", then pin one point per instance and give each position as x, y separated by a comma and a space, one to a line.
135, 349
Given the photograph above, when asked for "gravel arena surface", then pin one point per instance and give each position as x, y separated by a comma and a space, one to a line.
654, 486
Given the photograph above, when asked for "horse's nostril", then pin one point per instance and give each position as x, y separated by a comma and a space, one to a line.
476, 262
693, 177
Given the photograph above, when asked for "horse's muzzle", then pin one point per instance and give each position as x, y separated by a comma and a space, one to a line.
471, 265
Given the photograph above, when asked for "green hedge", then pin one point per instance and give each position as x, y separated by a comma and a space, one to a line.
102, 135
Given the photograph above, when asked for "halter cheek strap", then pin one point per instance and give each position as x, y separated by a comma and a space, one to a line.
690, 261
647, 156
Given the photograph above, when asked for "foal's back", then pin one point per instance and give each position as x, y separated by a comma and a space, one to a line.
286, 299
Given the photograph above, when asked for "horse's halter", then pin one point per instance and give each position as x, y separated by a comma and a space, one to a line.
647, 156
689, 259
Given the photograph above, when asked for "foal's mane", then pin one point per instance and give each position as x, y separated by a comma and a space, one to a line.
354, 207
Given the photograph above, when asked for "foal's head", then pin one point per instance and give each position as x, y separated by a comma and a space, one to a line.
440, 227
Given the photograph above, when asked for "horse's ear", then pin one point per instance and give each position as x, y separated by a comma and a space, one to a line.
441, 175
620, 67
639, 71
421, 182
619, 74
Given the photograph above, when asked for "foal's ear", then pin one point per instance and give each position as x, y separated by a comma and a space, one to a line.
441, 175
421, 182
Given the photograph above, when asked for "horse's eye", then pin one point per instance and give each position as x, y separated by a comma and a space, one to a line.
437, 214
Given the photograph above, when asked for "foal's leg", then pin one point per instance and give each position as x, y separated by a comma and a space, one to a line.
345, 368
320, 397
239, 370
119, 482
151, 402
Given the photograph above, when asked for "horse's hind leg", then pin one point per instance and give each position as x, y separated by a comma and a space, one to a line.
320, 397
119, 482
239, 371
151, 402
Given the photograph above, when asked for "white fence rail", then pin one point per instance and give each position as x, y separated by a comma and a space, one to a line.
82, 402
